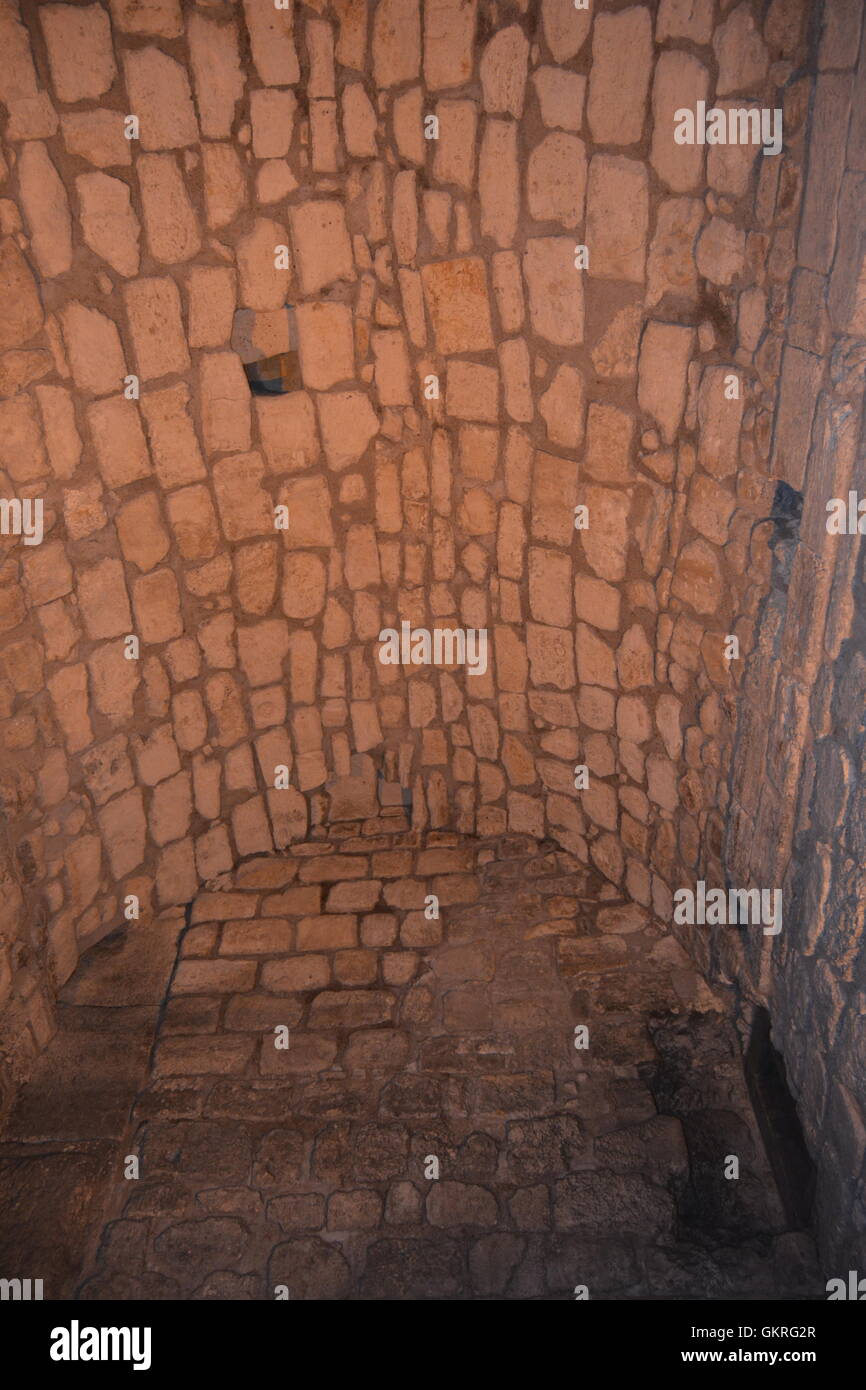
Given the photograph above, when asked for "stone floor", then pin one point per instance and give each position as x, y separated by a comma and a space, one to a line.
305, 1171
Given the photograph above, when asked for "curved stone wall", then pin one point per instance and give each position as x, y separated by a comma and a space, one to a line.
538, 342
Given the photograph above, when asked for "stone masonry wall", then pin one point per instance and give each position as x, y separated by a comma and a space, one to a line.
281, 156
798, 813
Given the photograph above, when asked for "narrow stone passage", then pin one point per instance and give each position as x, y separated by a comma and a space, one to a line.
431, 562
438, 1125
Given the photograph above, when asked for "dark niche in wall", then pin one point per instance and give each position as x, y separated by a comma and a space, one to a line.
267, 344
785, 516
776, 1113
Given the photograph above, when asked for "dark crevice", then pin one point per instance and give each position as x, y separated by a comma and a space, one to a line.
780, 1127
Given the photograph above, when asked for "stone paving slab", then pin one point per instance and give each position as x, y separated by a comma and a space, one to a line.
441, 1045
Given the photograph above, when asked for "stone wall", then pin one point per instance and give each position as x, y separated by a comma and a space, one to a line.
797, 809
281, 156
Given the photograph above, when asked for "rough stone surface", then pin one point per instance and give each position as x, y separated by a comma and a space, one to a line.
305, 1122
542, 369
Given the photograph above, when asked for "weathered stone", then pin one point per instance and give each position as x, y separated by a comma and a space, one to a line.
622, 53
616, 354
321, 245
729, 167
565, 29
544, 1148
680, 83
392, 370
159, 95
46, 207
262, 283
63, 441
161, 17
153, 310
671, 264
449, 31
21, 451
273, 114
413, 1269
348, 422
560, 96
20, 306
143, 538
96, 136
454, 161
503, 71
225, 188
562, 408
605, 540
740, 52
697, 578
458, 304
169, 220
272, 42
219, 82
617, 218
665, 353
108, 223
359, 122
212, 296
461, 1204
121, 449
396, 42
720, 251
93, 344
609, 436
555, 290
685, 19
832, 104
798, 395
498, 182
556, 180
176, 454
78, 39
245, 508
326, 344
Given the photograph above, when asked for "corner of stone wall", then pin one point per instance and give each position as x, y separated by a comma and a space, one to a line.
797, 779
